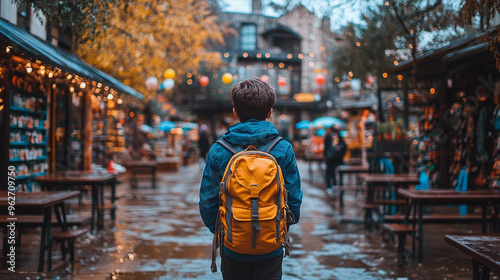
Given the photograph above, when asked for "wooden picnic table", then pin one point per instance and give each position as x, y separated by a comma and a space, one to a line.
97, 181
374, 157
381, 187
418, 199
135, 166
314, 158
46, 201
348, 169
385, 180
483, 249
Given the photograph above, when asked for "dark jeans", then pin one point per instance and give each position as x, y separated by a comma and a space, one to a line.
330, 174
270, 269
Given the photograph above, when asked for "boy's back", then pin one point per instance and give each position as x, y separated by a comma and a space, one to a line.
252, 130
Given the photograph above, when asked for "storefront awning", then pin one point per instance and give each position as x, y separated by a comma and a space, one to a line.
32, 46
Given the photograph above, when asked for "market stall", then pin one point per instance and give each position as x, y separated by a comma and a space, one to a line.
45, 95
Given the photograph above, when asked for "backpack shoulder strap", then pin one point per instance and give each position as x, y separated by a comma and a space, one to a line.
273, 143
227, 146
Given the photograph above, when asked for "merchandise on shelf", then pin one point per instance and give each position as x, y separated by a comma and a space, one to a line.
27, 131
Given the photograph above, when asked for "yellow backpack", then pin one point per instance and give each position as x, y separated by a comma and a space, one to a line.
253, 211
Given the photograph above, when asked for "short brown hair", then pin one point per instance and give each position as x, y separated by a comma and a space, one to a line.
253, 99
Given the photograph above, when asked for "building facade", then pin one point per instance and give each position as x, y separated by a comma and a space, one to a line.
292, 52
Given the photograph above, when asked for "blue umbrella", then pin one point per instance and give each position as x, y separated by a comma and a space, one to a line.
147, 128
166, 126
189, 126
323, 122
303, 124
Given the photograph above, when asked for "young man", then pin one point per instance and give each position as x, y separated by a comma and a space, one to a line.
252, 104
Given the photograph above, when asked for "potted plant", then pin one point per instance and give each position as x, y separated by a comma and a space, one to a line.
381, 129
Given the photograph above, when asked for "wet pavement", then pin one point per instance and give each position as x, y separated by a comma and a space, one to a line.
158, 234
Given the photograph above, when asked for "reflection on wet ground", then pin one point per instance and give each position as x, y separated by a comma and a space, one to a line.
159, 234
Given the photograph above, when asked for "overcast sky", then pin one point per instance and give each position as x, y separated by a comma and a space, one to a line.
341, 16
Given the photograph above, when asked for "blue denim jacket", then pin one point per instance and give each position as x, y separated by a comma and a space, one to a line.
240, 136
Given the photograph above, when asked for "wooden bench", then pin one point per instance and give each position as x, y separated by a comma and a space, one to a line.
33, 221
401, 231
437, 218
390, 202
370, 209
36, 220
141, 167
70, 236
100, 212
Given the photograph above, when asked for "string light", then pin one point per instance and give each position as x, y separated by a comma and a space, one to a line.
83, 85
384, 75
245, 55
289, 56
267, 55
258, 55
400, 77
300, 56
110, 96
119, 101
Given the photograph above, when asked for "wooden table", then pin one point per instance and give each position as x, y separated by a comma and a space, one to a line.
483, 249
97, 181
418, 199
311, 158
45, 201
348, 169
385, 184
135, 166
374, 157
383, 180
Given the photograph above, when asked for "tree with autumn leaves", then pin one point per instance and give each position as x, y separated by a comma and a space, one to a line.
144, 38
134, 40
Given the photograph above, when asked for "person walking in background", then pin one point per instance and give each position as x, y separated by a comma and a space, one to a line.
334, 150
252, 105
203, 143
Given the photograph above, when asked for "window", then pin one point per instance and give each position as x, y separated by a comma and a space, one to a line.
248, 34
24, 17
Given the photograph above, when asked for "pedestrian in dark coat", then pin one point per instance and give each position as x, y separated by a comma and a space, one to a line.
335, 150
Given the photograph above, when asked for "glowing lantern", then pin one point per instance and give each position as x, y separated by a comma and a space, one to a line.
204, 81
151, 83
227, 78
169, 73
265, 78
281, 81
320, 79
